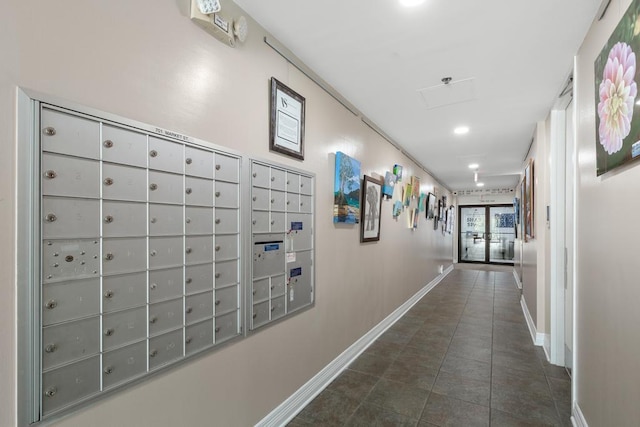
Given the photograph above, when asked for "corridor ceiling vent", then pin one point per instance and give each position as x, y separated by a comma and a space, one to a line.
449, 93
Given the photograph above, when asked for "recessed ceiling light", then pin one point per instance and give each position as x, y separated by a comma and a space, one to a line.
474, 166
461, 130
480, 184
411, 3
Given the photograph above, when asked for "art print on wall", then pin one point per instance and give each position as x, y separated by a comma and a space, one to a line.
286, 126
346, 190
616, 93
523, 208
389, 185
371, 210
529, 200
431, 206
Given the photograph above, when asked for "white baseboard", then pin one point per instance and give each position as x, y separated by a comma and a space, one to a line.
288, 409
547, 346
577, 417
515, 276
537, 337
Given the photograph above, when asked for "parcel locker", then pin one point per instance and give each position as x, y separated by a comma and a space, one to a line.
69, 384
166, 155
124, 291
165, 220
70, 300
70, 176
124, 364
198, 336
299, 279
124, 183
70, 259
165, 188
66, 342
123, 219
69, 134
124, 146
123, 327
165, 284
299, 232
123, 255
165, 252
65, 217
227, 168
198, 162
164, 316
165, 348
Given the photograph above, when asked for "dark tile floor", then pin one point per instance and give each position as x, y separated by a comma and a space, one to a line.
462, 356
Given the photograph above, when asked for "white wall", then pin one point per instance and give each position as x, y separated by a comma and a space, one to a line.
161, 69
607, 369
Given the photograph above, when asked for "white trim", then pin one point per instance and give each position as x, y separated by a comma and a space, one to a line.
288, 409
546, 346
515, 276
536, 337
577, 417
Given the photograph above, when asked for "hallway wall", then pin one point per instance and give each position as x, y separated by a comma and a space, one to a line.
607, 369
161, 69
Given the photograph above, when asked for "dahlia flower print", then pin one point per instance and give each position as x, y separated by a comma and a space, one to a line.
618, 92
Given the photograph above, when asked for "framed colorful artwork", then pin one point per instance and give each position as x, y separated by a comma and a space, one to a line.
346, 190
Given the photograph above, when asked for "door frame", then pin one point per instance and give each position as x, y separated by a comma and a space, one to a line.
487, 228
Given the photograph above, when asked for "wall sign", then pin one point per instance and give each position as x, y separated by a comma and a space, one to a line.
286, 127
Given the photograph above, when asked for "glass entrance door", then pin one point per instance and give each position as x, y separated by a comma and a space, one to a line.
487, 234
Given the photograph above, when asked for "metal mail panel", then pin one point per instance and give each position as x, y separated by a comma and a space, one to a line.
306, 185
198, 162
198, 249
124, 364
278, 179
198, 278
124, 183
261, 314
165, 252
306, 205
124, 291
261, 175
123, 327
293, 202
70, 259
226, 247
299, 232
226, 299
165, 188
226, 221
226, 327
198, 220
198, 192
226, 195
124, 219
226, 272
293, 182
198, 336
198, 307
165, 284
299, 275
124, 255
70, 384
278, 285
278, 307
67, 134
66, 342
69, 176
165, 348
277, 222
166, 155
261, 290
227, 168
124, 146
278, 200
260, 199
70, 300
260, 221
165, 220
66, 218
164, 316
268, 255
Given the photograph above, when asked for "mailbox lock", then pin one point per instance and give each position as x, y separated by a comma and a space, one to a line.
217, 275
108, 370
50, 348
153, 187
108, 256
217, 220
217, 329
188, 280
51, 304
108, 219
50, 174
108, 143
218, 248
51, 391
153, 153
188, 220
109, 332
188, 161
188, 250
108, 294
68, 258
108, 181
217, 167
273, 178
255, 174
217, 302
255, 198
153, 286
51, 217
188, 310
273, 200
253, 222
153, 353
153, 220
154, 319
255, 315
153, 253
187, 340
188, 191
273, 222
49, 131
273, 308
217, 194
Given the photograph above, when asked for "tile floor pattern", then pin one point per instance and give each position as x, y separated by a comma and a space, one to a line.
462, 356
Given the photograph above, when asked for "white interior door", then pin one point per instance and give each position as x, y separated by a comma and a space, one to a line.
569, 236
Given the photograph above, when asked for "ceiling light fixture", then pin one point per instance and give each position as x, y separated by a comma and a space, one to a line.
480, 184
461, 130
473, 166
411, 3
475, 176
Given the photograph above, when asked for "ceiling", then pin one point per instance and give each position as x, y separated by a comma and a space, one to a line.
508, 61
